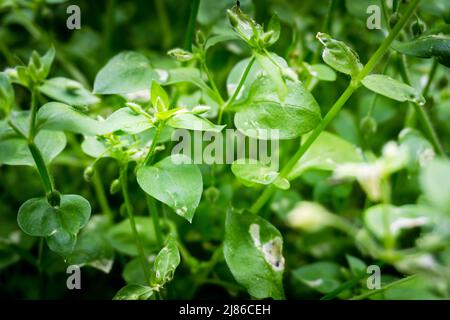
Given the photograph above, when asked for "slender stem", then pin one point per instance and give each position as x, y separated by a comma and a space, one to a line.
164, 22
430, 78
130, 211
422, 113
386, 287
101, 196
151, 151
155, 218
389, 240
34, 106
238, 89
41, 167
191, 26
354, 84
211, 81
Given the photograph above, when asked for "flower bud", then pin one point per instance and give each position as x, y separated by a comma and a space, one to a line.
135, 107
115, 186
88, 173
181, 55
368, 126
309, 216
212, 194
417, 27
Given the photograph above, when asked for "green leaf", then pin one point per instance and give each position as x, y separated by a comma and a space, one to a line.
60, 225
339, 56
133, 272
121, 237
190, 75
166, 263
261, 110
7, 97
427, 46
127, 72
126, 120
257, 70
398, 218
15, 152
275, 27
175, 182
253, 252
92, 248
392, 88
328, 151
435, 183
193, 122
254, 172
321, 276
61, 117
357, 266
321, 72
68, 91
158, 92
134, 292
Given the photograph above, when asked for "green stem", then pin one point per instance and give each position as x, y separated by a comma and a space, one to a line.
386, 287
422, 113
34, 107
151, 151
164, 22
101, 196
41, 167
155, 218
238, 89
354, 84
130, 211
430, 78
211, 81
191, 26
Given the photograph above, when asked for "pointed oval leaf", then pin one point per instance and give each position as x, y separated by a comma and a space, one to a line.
175, 182
262, 111
392, 88
435, 183
429, 46
68, 91
253, 252
127, 72
339, 55
166, 263
134, 292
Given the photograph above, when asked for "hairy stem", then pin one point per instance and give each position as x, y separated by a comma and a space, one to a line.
101, 196
354, 84
151, 151
42, 169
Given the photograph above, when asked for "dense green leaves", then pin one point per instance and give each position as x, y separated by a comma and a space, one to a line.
60, 224
339, 56
253, 252
174, 181
127, 72
392, 88
262, 110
